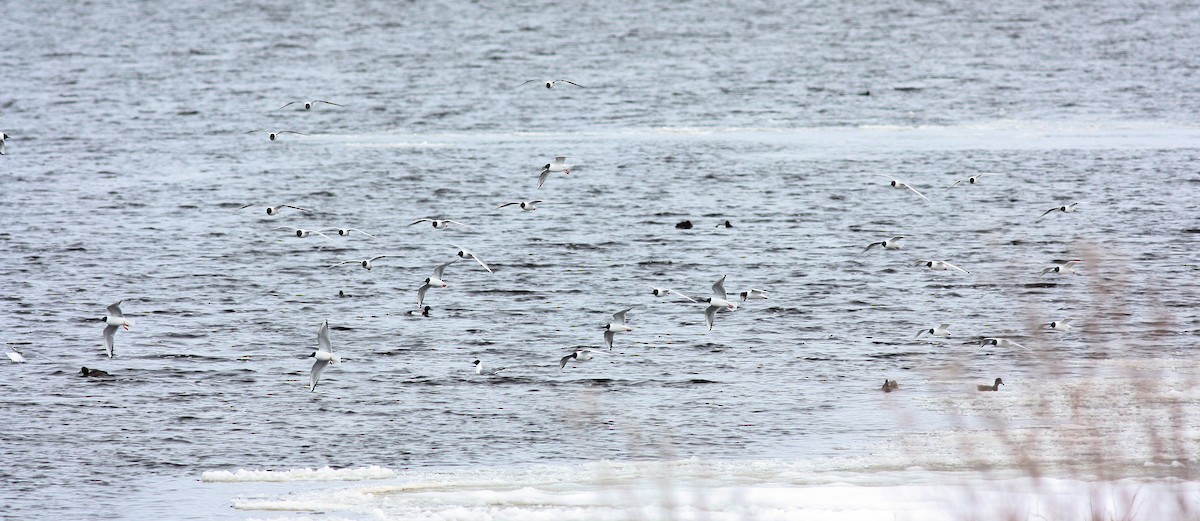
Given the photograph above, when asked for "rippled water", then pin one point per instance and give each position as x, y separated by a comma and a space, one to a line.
128, 164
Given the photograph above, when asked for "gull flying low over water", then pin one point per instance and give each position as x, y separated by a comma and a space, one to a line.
528, 206
943, 330
346, 231
274, 135
559, 165
366, 263
1057, 325
481, 370
435, 280
662, 292
1065, 267
550, 83
717, 302
1064, 209
753, 294
902, 185
439, 223
274, 210
465, 253
114, 320
308, 105
999, 342
970, 180
616, 326
889, 244
581, 355
14, 356
323, 354
302, 233
938, 265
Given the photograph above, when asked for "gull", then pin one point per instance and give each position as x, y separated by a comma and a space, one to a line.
1064, 209
617, 325
581, 355
15, 356
274, 210
346, 231
999, 342
366, 263
439, 223
464, 253
3, 150
550, 83
662, 292
528, 206
901, 185
725, 224
753, 294
890, 244
481, 370
993, 387
1058, 325
435, 280
970, 180
938, 265
308, 105
302, 233
717, 302
943, 330
274, 135
559, 165
1064, 267
114, 320
323, 354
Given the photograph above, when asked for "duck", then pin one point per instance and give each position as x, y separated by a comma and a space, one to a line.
685, 225
889, 385
95, 373
993, 387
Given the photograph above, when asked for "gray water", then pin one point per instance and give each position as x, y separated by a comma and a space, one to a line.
127, 165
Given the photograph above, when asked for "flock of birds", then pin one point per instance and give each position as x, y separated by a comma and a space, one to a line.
719, 301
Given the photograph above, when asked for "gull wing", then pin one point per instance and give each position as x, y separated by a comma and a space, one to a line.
955, 267
906, 185
317, 368
438, 271
109, 331
114, 309
323, 337
710, 314
421, 294
619, 317
719, 288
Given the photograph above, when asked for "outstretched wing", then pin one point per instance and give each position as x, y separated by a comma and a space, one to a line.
323, 337
114, 309
109, 331
619, 317
317, 368
719, 288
